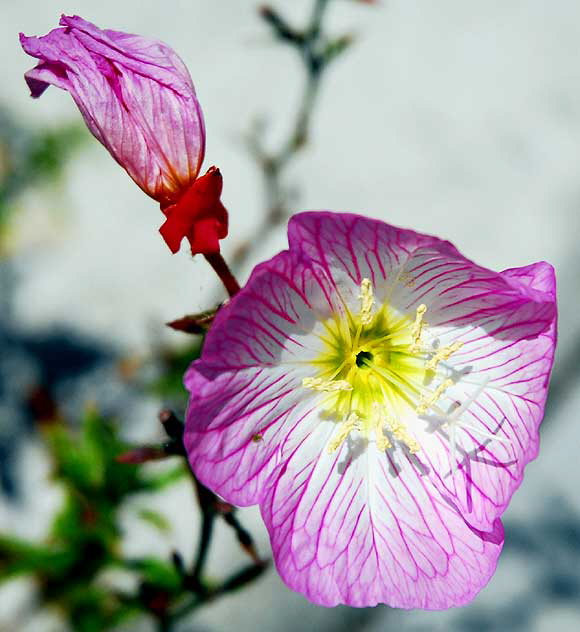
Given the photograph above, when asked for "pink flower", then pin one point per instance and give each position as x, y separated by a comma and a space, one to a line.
379, 395
138, 100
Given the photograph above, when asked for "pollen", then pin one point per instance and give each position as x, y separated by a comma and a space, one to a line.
326, 386
443, 354
367, 301
417, 328
401, 434
352, 422
428, 402
378, 423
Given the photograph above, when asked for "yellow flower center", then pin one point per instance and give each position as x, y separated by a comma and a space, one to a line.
375, 369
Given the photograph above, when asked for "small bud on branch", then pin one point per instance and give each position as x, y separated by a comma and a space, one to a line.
194, 323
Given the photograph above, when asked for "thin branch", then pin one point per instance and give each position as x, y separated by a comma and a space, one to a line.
316, 51
239, 579
206, 501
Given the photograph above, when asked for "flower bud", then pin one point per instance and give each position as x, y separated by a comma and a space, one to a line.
137, 98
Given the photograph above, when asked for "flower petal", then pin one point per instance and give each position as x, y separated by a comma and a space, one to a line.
360, 528
246, 390
135, 95
508, 335
353, 247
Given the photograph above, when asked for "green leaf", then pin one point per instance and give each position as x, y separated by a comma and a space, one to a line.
50, 149
158, 573
19, 557
156, 519
92, 608
87, 463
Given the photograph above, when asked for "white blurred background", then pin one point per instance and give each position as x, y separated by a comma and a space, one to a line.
456, 118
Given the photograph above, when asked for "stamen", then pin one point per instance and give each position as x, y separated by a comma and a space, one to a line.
399, 431
326, 386
456, 414
427, 402
351, 423
378, 422
417, 328
367, 300
483, 433
443, 354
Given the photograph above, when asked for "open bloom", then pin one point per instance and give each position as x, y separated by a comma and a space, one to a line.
138, 100
378, 394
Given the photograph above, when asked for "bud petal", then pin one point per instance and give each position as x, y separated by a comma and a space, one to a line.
135, 95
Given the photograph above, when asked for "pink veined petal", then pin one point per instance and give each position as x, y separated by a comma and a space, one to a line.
135, 95
508, 338
357, 528
272, 320
350, 247
537, 277
247, 397
236, 424
136, 52
506, 321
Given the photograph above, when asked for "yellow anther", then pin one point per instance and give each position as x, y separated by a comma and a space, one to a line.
427, 402
399, 431
326, 386
367, 300
443, 354
347, 426
417, 328
378, 421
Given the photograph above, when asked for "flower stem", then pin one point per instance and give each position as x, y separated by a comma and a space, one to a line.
206, 502
217, 262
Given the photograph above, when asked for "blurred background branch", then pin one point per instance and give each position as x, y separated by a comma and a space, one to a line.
317, 51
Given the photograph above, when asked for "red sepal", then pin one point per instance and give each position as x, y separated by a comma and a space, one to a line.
198, 215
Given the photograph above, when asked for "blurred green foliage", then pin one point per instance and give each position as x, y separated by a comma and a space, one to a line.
174, 363
28, 157
85, 537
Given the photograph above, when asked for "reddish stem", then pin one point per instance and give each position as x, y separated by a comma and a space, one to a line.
217, 262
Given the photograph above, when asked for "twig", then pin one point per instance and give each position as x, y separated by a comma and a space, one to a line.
316, 51
239, 579
193, 583
211, 509
207, 501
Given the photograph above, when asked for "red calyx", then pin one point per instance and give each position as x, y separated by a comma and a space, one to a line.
198, 215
